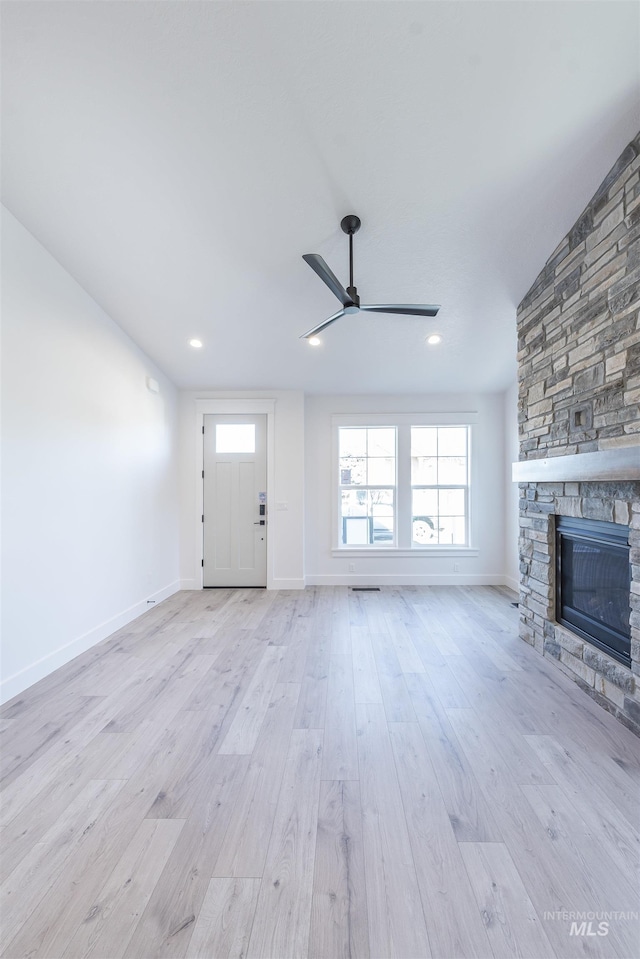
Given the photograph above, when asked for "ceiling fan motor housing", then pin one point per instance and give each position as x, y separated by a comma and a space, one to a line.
353, 293
351, 224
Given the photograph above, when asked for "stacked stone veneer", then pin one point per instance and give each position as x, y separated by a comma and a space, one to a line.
579, 391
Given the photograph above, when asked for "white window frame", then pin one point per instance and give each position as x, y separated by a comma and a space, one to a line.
403, 506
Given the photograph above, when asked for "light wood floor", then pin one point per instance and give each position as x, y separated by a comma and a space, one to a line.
324, 773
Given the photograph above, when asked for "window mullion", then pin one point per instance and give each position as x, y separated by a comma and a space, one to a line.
403, 494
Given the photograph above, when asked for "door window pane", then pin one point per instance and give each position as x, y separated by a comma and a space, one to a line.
235, 438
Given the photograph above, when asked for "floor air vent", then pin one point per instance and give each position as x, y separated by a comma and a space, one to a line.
365, 589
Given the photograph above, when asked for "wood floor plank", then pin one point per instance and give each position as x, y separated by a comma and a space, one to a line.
166, 925
621, 839
526, 768
454, 923
37, 872
396, 920
245, 728
283, 912
246, 841
339, 921
563, 823
224, 924
50, 803
20, 750
395, 696
366, 685
554, 883
511, 922
109, 924
469, 811
340, 753
312, 704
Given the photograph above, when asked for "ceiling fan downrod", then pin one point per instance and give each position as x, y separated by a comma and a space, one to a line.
351, 224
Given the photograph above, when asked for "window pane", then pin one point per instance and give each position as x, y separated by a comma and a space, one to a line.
424, 530
355, 530
452, 470
424, 470
353, 442
425, 501
374, 512
381, 501
235, 438
424, 441
354, 502
451, 502
382, 442
381, 472
383, 530
451, 531
452, 441
353, 472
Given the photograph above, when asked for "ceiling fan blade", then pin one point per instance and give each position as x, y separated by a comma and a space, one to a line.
321, 326
327, 276
409, 309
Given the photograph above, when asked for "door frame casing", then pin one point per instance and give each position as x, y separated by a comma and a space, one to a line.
234, 407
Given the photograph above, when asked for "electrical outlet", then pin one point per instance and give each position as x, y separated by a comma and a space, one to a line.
456, 567
352, 567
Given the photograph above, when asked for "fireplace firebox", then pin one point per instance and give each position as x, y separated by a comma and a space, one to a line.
593, 580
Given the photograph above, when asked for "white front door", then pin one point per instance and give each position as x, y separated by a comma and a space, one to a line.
235, 485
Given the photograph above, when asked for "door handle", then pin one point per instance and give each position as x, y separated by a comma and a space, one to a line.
261, 522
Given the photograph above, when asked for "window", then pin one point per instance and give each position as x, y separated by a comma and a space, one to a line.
367, 485
439, 485
235, 438
403, 486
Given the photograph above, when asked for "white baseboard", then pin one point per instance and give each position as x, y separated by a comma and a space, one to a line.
512, 583
14, 685
405, 579
287, 584
190, 584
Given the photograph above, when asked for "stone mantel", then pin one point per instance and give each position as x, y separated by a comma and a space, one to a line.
620, 463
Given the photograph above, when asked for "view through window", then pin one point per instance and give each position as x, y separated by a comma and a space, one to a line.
403, 485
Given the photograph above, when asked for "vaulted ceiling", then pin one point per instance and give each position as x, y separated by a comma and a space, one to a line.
177, 158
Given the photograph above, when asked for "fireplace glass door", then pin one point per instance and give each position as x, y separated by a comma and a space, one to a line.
593, 582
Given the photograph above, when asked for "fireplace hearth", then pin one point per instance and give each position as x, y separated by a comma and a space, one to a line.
593, 582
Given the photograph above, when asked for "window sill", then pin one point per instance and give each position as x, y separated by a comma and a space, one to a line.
419, 552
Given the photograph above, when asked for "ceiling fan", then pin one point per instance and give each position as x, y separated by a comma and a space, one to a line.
349, 297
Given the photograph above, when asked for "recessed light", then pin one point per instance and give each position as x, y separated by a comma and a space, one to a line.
196, 344
434, 339
315, 340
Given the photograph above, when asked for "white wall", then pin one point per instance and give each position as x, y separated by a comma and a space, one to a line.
89, 497
487, 508
285, 530
512, 453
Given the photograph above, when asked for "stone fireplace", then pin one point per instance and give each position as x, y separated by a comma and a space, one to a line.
579, 421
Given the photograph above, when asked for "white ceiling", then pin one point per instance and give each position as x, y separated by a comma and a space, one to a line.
178, 158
